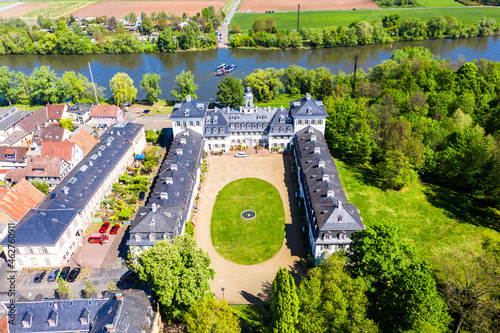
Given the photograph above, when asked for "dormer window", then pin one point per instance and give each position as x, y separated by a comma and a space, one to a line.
207, 121
207, 130
309, 111
137, 237
282, 119
215, 120
221, 130
27, 319
186, 113
151, 237
215, 130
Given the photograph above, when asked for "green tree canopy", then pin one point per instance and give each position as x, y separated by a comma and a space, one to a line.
45, 86
150, 85
66, 123
231, 92
265, 83
185, 86
178, 272
211, 315
284, 303
122, 87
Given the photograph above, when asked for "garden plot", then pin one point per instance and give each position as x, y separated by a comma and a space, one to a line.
57, 9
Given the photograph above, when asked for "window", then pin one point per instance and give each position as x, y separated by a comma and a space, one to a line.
30, 250
222, 130
197, 123
207, 130
178, 123
299, 122
191, 124
320, 121
306, 121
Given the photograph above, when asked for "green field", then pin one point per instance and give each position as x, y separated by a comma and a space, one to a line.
57, 9
321, 19
248, 242
433, 219
440, 3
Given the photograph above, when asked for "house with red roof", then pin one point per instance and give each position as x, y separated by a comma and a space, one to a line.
11, 157
106, 115
85, 140
56, 112
68, 151
45, 169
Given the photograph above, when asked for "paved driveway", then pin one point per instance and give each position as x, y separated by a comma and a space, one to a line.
249, 284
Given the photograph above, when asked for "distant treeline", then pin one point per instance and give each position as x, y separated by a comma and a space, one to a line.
392, 28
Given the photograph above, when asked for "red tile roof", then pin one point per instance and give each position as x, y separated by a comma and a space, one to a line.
37, 118
108, 111
18, 152
63, 150
55, 111
85, 141
36, 167
20, 199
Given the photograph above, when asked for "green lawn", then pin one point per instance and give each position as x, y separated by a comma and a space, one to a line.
253, 318
440, 3
283, 100
433, 219
248, 242
320, 19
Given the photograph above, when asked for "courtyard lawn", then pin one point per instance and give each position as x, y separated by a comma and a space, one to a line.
248, 242
433, 219
321, 19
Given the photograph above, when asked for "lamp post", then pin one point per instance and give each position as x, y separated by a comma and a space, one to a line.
223, 289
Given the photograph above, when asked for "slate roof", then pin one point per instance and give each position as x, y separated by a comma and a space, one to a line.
20, 199
84, 140
325, 193
236, 120
37, 118
168, 205
190, 108
57, 210
81, 108
68, 313
55, 111
105, 111
282, 123
19, 153
308, 107
217, 128
13, 119
15, 137
126, 314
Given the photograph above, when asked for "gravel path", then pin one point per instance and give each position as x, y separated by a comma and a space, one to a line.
249, 284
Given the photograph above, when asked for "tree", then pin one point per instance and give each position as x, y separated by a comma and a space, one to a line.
403, 291
235, 28
258, 25
205, 13
178, 272
332, 301
45, 86
211, 315
63, 288
122, 87
231, 92
152, 136
112, 23
42, 186
185, 86
112, 286
89, 289
149, 84
270, 25
133, 17
147, 25
76, 85
265, 83
166, 41
66, 123
284, 303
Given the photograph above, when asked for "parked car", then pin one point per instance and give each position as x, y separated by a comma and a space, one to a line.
53, 275
98, 238
73, 274
114, 229
126, 105
128, 276
104, 227
39, 276
240, 154
64, 272
142, 195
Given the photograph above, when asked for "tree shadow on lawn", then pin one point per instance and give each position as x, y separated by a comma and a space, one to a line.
462, 207
365, 174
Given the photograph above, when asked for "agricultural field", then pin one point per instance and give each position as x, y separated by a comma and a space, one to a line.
57, 9
440, 3
433, 219
321, 19
23, 9
286, 5
119, 9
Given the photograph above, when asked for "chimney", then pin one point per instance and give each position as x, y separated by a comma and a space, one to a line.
313, 137
173, 166
321, 164
308, 96
317, 150
90, 163
326, 178
164, 195
153, 208
339, 205
188, 98
169, 180
99, 153
109, 328
330, 193
119, 296
183, 140
178, 151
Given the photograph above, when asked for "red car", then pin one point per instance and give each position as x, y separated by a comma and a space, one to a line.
114, 229
104, 227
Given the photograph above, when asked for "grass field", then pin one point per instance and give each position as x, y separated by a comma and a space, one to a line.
433, 219
440, 3
248, 242
57, 9
283, 100
321, 19
3, 4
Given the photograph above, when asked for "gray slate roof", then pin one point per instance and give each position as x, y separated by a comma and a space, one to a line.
67, 312
308, 107
189, 109
56, 211
13, 138
282, 123
325, 193
80, 108
168, 205
13, 119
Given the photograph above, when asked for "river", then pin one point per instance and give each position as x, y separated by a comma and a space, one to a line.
202, 64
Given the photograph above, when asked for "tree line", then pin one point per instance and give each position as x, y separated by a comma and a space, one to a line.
390, 29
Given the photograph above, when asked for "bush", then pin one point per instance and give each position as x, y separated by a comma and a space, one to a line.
89, 289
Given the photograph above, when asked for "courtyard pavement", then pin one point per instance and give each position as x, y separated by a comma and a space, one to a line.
246, 284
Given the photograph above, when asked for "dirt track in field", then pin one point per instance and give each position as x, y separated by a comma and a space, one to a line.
120, 9
286, 5
23, 9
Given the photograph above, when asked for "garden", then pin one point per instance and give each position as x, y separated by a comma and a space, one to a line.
253, 238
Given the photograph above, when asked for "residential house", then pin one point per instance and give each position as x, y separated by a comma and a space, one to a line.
105, 115
16, 202
11, 157
172, 196
16, 139
68, 151
56, 112
9, 119
44, 169
27, 127
331, 219
80, 112
50, 134
84, 140
62, 217
189, 114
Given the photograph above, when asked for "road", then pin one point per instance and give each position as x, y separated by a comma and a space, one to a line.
224, 28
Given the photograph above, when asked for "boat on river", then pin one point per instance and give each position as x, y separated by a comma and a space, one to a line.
226, 69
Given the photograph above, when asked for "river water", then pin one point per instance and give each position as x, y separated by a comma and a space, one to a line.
202, 64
